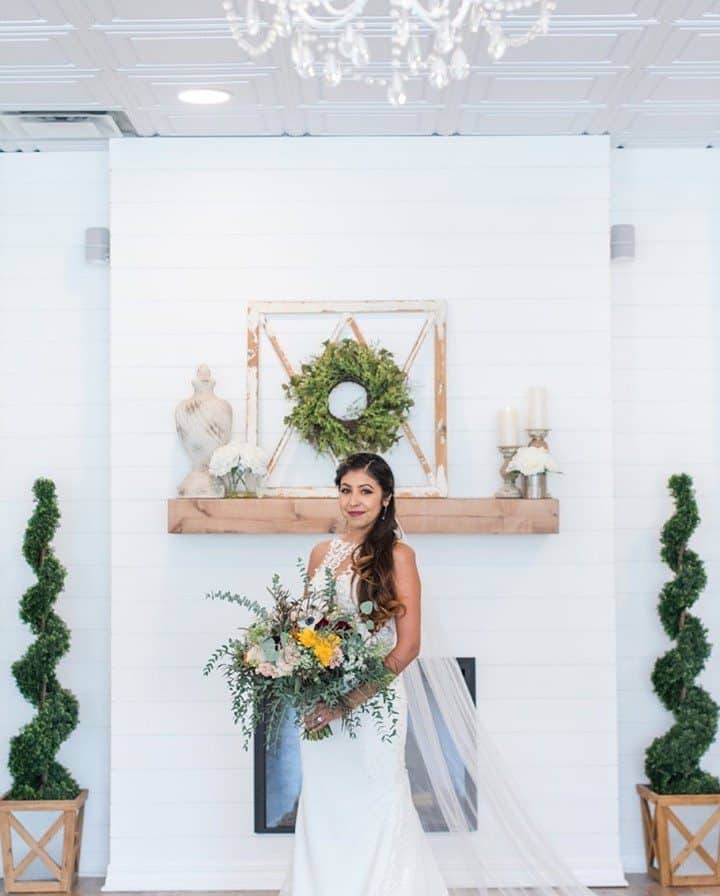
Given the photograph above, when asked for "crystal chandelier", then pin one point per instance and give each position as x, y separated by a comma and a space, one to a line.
328, 41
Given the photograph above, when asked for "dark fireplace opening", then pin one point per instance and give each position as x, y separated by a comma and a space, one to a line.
278, 775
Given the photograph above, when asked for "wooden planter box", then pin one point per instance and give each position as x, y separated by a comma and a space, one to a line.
661, 865
71, 822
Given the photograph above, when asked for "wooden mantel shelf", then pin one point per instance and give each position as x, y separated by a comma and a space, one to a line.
254, 516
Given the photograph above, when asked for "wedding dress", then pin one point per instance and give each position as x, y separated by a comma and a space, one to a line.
357, 830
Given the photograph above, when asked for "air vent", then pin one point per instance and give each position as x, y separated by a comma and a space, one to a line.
60, 125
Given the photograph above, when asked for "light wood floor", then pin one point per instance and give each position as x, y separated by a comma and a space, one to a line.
638, 885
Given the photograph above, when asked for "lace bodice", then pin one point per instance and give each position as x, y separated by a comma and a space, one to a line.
346, 590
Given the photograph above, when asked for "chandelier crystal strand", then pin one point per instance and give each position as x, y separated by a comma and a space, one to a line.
327, 41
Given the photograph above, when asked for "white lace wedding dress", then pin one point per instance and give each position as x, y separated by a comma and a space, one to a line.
357, 831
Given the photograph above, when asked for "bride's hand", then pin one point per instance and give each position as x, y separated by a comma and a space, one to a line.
320, 716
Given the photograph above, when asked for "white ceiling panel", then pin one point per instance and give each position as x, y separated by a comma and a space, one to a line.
57, 93
631, 10
37, 51
642, 70
587, 46
253, 121
30, 12
684, 88
477, 121
178, 48
700, 46
153, 10
557, 89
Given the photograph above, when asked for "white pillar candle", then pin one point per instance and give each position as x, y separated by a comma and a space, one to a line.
537, 409
508, 432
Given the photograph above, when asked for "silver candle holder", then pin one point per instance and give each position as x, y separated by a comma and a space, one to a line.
537, 488
508, 488
537, 438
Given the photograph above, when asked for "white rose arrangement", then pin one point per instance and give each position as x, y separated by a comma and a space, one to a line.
233, 462
530, 459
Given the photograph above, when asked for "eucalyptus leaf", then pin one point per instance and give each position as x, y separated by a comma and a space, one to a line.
269, 650
367, 606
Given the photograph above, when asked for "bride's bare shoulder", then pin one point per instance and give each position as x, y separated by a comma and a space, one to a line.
316, 555
321, 547
404, 562
402, 552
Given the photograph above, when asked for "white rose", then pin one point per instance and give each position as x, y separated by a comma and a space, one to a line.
254, 655
224, 459
530, 459
269, 670
254, 458
289, 655
288, 659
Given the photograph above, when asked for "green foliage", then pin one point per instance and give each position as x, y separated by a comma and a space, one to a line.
256, 699
388, 399
36, 774
672, 760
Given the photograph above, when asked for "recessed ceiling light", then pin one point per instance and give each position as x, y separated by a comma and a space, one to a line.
204, 96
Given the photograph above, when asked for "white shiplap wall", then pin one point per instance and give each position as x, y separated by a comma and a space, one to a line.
666, 331
513, 233
54, 378
53, 393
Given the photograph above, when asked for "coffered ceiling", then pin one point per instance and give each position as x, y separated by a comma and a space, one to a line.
646, 71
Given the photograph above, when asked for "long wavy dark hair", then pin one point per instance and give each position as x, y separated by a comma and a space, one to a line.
372, 559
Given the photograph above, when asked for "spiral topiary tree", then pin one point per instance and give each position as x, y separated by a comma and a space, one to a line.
36, 775
672, 760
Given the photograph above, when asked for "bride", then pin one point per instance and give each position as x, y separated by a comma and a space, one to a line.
357, 829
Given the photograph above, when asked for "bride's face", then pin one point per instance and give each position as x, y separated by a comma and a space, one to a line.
361, 501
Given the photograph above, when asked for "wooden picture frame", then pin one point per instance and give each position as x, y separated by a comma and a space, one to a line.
259, 315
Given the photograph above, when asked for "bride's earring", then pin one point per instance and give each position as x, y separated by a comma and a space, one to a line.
385, 507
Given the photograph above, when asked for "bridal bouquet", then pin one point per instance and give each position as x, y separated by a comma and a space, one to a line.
300, 652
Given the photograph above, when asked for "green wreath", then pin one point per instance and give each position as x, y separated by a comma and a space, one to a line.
378, 426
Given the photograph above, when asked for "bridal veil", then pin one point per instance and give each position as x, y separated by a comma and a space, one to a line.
485, 837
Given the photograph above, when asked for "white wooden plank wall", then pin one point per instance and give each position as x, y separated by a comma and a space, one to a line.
54, 376
513, 232
53, 391
666, 329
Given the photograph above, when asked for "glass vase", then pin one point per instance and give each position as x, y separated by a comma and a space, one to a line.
247, 486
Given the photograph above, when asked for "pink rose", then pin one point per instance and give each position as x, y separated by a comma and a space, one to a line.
268, 670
